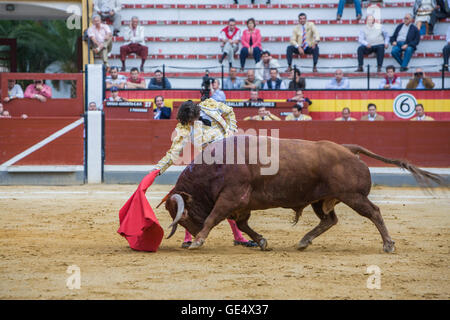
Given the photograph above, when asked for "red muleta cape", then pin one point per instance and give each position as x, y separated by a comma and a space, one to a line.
138, 223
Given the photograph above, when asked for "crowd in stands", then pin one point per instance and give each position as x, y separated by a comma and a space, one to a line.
305, 39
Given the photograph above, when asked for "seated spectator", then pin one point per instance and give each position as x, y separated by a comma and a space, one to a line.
101, 37
420, 114
422, 12
135, 81
216, 93
372, 114
297, 115
339, 81
404, 42
341, 9
297, 81
304, 40
419, 81
391, 80
262, 68
229, 37
373, 38
14, 91
254, 96
251, 43
263, 115
115, 79
5, 114
92, 106
135, 38
38, 90
251, 82
446, 50
161, 112
109, 9
441, 11
232, 82
115, 95
346, 115
274, 82
159, 82
301, 101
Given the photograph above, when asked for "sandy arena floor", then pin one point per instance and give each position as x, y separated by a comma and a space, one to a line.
44, 230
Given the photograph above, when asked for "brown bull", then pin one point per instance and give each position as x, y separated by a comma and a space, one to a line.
320, 174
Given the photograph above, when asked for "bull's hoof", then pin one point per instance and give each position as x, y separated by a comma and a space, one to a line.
196, 244
303, 244
263, 245
389, 247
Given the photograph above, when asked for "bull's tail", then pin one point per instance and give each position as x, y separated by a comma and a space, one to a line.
424, 178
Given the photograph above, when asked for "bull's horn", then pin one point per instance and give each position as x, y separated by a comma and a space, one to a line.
180, 210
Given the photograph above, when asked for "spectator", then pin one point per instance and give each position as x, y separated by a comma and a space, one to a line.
5, 114
161, 112
92, 106
115, 79
341, 9
339, 81
373, 38
101, 37
263, 115
14, 91
297, 81
115, 95
216, 93
135, 81
159, 82
109, 9
135, 38
254, 96
274, 83
229, 37
405, 39
422, 12
304, 40
346, 115
446, 50
297, 115
262, 68
391, 80
301, 101
420, 114
232, 82
251, 82
419, 81
38, 90
372, 114
441, 11
251, 43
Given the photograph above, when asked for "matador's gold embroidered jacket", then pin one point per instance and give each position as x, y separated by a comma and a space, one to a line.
223, 124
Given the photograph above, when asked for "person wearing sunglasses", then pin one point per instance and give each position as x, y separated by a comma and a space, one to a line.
419, 81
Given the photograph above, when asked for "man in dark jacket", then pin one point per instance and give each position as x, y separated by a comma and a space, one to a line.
161, 112
441, 11
404, 41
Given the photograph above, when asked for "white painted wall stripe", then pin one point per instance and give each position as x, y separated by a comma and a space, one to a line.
4, 166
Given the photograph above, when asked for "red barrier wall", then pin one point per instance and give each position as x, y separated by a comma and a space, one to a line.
17, 135
144, 142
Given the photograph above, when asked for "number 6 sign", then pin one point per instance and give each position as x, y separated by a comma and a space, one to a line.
404, 105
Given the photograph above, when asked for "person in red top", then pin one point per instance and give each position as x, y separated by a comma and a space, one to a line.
251, 43
135, 81
38, 90
230, 36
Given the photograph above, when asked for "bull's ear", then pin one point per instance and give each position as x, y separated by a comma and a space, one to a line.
187, 198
